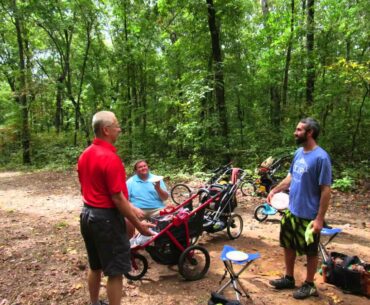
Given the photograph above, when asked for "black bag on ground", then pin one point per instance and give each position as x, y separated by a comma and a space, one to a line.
347, 272
217, 298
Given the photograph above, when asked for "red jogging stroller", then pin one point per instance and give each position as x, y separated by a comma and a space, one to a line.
176, 228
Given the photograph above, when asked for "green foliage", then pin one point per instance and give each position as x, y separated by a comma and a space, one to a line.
151, 63
344, 184
50, 151
54, 151
348, 176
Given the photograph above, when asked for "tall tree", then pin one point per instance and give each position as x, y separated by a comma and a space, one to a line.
274, 88
310, 40
218, 71
19, 84
288, 56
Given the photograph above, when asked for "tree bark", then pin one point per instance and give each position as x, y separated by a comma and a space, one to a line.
60, 81
359, 118
23, 88
128, 112
310, 81
274, 87
78, 115
288, 57
218, 72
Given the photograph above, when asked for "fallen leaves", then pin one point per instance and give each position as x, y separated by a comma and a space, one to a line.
334, 298
43, 260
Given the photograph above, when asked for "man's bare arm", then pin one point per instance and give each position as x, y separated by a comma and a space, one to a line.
282, 186
324, 205
161, 193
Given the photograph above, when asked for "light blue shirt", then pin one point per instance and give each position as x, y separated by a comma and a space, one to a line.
142, 193
309, 170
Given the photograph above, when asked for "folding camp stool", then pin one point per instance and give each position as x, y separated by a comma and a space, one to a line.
331, 233
234, 276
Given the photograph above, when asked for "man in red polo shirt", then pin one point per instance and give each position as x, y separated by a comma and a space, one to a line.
102, 177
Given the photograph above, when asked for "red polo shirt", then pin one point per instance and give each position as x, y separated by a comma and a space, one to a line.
101, 174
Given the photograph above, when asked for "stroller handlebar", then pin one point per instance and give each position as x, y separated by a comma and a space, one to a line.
222, 168
203, 190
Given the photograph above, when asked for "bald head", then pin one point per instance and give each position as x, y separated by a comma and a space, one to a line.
102, 119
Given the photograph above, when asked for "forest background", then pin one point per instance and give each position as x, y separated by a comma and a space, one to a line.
193, 83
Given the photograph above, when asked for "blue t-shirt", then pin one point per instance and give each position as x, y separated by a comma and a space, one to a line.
309, 170
142, 194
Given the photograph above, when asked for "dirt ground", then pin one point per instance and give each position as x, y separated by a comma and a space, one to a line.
43, 261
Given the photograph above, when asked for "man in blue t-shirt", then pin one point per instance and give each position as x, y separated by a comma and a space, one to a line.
308, 181
145, 190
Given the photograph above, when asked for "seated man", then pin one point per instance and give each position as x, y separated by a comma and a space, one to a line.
146, 195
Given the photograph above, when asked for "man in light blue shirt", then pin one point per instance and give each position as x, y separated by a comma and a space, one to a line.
308, 181
146, 191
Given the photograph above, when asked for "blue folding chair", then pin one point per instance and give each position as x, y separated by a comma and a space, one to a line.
332, 233
234, 275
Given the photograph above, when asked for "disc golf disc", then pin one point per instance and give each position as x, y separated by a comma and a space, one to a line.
155, 179
280, 201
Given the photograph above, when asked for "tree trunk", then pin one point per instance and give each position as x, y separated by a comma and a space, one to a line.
310, 82
23, 88
359, 118
274, 87
288, 57
75, 102
78, 116
240, 114
143, 97
58, 117
275, 106
59, 102
218, 72
128, 112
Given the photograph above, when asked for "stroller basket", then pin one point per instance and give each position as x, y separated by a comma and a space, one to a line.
163, 250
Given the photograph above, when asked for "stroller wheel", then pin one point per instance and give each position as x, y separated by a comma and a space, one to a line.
234, 226
139, 266
259, 213
180, 193
194, 263
247, 188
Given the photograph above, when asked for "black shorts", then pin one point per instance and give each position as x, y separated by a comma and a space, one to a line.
107, 245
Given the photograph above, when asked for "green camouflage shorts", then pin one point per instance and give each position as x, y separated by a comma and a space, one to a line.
292, 235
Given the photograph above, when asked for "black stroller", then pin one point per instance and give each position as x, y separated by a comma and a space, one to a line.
180, 191
219, 214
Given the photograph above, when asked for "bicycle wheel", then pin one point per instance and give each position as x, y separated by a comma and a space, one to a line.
259, 213
234, 226
194, 263
180, 192
248, 188
139, 266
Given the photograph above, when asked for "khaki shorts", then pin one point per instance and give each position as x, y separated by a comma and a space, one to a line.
148, 213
